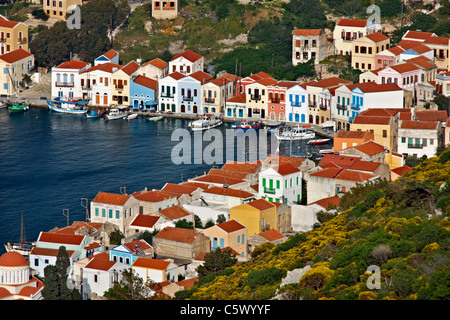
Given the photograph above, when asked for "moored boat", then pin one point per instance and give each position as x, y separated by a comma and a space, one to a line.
245, 125
295, 133
19, 107
318, 141
132, 116
207, 121
68, 106
326, 151
154, 118
118, 112
23, 247
94, 114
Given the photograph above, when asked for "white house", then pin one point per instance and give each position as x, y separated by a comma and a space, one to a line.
110, 56
66, 79
296, 103
347, 30
99, 275
155, 69
418, 138
282, 184
168, 92
155, 271
96, 83
186, 63
190, 92
118, 209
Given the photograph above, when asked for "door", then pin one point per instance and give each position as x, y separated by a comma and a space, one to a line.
297, 118
297, 103
250, 113
195, 109
183, 108
97, 98
263, 114
105, 99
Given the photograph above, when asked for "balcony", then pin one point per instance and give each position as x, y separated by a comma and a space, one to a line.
255, 97
2, 40
86, 87
322, 107
355, 107
341, 107
269, 190
296, 104
275, 100
166, 95
118, 86
64, 84
22, 40
210, 100
188, 98
415, 146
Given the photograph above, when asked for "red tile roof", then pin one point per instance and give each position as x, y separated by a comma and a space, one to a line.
342, 161
404, 67
418, 125
422, 61
286, 169
331, 173
106, 67
178, 234
8, 24
239, 98
307, 32
174, 212
15, 55
231, 226
189, 55
111, 198
417, 35
228, 173
247, 167
72, 65
271, 235
431, 115
151, 263
130, 68
179, 188
142, 244
229, 192
160, 64
329, 82
277, 159
152, 196
370, 148
145, 221
110, 54
396, 50
146, 82
369, 87
377, 37
352, 134
60, 238
408, 44
352, 23
351, 175
176, 75
368, 166
209, 178
201, 76
437, 41
100, 262
401, 170
328, 203
374, 120
261, 204
267, 81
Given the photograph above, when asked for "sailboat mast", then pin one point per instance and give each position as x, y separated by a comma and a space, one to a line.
22, 230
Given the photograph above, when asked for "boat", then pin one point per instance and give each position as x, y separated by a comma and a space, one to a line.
3, 105
271, 123
154, 118
235, 124
68, 106
318, 141
131, 116
295, 133
245, 125
326, 151
23, 247
118, 112
206, 121
19, 107
93, 114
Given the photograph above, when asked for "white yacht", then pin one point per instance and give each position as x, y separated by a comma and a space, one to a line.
295, 133
207, 121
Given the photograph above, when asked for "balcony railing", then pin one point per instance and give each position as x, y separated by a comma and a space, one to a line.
255, 97
341, 107
64, 84
296, 104
22, 40
118, 86
2, 40
269, 190
355, 107
210, 100
188, 98
415, 146
323, 107
274, 100
166, 95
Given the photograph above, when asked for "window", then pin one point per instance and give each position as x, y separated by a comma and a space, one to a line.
103, 213
117, 214
278, 184
403, 139
243, 238
384, 133
95, 278
96, 212
110, 213
36, 262
431, 142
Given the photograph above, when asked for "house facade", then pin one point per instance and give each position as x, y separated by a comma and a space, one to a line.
186, 63
387, 57
308, 44
215, 93
419, 138
168, 93
190, 92
154, 69
66, 82
443, 83
296, 104
228, 234
13, 35
236, 107
59, 8
128, 252
364, 50
347, 30
121, 82
155, 271
406, 75
143, 93
282, 184
14, 66
257, 96
441, 48
165, 9
257, 216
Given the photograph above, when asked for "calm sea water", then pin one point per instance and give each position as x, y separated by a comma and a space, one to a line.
50, 161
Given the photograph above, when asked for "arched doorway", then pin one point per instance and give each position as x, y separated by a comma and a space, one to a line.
183, 108
195, 109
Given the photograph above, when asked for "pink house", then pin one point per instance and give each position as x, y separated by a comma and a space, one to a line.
276, 107
388, 57
242, 83
405, 75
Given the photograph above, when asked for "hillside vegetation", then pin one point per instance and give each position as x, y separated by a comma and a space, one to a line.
400, 227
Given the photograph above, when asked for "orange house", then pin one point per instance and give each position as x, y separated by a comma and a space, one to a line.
347, 139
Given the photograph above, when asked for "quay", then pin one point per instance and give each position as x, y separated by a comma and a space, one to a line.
320, 131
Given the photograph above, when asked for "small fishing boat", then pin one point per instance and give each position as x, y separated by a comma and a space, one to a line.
68, 106
295, 133
318, 141
94, 114
207, 121
3, 105
245, 125
271, 123
154, 118
19, 107
23, 247
118, 112
132, 116
326, 151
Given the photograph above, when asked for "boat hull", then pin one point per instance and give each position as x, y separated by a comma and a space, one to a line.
154, 118
318, 142
116, 117
55, 108
206, 127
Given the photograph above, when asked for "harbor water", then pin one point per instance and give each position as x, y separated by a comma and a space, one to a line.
50, 163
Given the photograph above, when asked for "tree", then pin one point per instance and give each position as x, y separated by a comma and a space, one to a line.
382, 253
116, 236
216, 261
130, 287
221, 219
183, 223
56, 279
39, 13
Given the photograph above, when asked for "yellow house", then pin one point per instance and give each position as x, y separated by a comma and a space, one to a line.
257, 97
382, 128
215, 93
228, 234
13, 67
258, 216
120, 83
58, 8
13, 35
364, 50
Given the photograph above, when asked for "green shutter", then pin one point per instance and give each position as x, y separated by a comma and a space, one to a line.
264, 182
278, 184
117, 214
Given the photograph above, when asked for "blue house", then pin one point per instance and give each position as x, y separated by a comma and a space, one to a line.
357, 103
111, 56
296, 106
127, 253
143, 93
